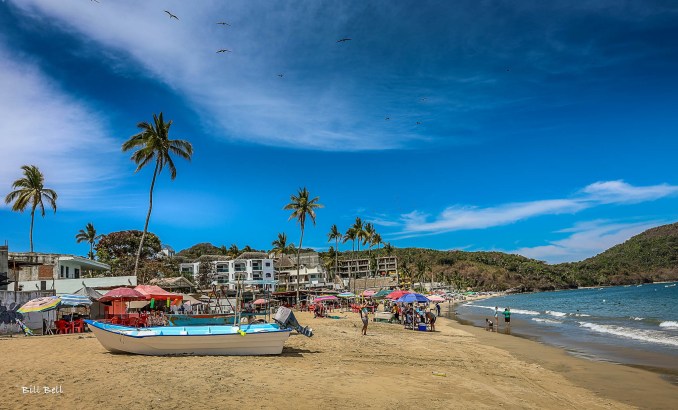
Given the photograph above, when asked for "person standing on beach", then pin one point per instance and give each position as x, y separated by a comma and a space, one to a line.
365, 318
438, 308
496, 317
507, 321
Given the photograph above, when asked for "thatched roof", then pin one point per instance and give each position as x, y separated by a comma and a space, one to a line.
252, 255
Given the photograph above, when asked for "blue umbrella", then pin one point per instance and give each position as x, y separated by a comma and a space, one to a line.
413, 297
75, 300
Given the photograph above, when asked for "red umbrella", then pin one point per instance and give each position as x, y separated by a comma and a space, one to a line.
122, 294
397, 294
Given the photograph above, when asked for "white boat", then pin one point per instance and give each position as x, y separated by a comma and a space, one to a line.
226, 340
256, 339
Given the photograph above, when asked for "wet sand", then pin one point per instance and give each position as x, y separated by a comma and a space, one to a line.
455, 367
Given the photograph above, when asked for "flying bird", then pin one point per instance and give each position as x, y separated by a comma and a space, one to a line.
418, 123
343, 39
223, 50
280, 75
223, 23
387, 118
172, 16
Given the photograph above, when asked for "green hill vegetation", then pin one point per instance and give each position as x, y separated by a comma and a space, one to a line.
651, 256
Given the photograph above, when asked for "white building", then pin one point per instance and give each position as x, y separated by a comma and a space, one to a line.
62, 273
191, 268
311, 272
254, 270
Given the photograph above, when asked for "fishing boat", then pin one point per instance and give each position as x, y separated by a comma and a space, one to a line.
235, 340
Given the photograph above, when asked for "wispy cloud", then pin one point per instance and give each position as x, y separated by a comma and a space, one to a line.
41, 125
459, 217
587, 239
619, 192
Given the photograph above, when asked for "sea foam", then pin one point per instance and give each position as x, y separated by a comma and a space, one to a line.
556, 314
552, 321
651, 336
669, 324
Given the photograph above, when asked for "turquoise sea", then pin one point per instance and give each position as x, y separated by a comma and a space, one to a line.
633, 325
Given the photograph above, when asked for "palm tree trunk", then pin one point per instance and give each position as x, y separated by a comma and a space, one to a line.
336, 258
31, 233
148, 217
301, 240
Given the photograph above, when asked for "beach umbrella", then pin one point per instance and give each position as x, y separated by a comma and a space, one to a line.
435, 298
122, 294
75, 300
369, 293
381, 294
40, 304
325, 298
397, 294
346, 295
412, 298
260, 302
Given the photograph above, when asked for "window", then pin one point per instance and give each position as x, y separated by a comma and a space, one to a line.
61, 274
67, 273
268, 264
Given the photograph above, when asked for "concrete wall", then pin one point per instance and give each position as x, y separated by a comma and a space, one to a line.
10, 301
69, 286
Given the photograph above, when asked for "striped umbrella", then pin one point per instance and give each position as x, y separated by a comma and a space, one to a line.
40, 304
346, 295
75, 300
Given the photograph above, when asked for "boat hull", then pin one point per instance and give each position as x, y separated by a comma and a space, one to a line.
247, 340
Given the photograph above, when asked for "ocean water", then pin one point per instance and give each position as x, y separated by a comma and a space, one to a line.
634, 325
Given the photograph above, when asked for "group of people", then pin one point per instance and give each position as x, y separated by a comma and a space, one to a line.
493, 325
409, 315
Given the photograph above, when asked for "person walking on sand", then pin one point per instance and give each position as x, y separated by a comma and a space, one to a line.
496, 317
507, 321
365, 318
438, 309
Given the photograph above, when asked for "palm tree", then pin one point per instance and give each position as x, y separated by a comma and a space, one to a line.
336, 235
153, 143
301, 206
350, 235
31, 190
359, 236
368, 238
234, 251
280, 244
376, 239
89, 235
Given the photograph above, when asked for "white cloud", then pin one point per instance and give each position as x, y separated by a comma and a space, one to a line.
238, 94
455, 218
459, 218
587, 239
609, 192
41, 125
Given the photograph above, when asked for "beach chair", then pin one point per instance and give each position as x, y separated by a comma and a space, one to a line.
61, 327
79, 326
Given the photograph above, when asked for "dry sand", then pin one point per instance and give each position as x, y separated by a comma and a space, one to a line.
455, 367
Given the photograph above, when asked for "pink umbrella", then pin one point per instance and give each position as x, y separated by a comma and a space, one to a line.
435, 298
325, 298
260, 302
122, 294
397, 294
369, 293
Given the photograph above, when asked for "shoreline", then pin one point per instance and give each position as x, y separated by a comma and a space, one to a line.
616, 381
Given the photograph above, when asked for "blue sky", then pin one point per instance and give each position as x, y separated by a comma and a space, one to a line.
541, 128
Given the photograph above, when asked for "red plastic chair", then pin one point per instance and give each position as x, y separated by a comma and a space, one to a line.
79, 326
143, 321
61, 327
115, 320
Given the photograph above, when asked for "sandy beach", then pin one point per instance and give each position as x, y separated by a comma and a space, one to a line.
455, 367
